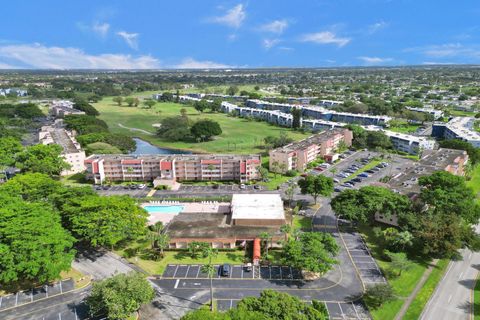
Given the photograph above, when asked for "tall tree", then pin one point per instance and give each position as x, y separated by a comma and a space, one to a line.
209, 269
316, 185
120, 296
118, 100
104, 221
43, 159
313, 251
205, 129
9, 148
33, 245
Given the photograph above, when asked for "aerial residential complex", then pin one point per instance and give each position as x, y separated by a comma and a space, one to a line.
450, 160
458, 128
296, 155
175, 167
428, 110
72, 152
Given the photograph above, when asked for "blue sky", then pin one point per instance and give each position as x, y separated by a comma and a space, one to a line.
262, 33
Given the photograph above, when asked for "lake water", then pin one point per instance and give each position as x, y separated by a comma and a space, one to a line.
143, 147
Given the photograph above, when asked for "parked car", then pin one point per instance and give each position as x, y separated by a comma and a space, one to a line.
141, 186
318, 168
215, 186
256, 187
133, 186
357, 179
363, 175
225, 272
336, 180
243, 187
105, 187
370, 171
337, 190
98, 188
303, 175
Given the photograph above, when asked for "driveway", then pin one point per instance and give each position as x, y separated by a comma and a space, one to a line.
101, 264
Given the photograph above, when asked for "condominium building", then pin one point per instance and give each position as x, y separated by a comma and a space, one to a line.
176, 167
72, 152
406, 182
428, 110
458, 128
296, 155
62, 108
409, 143
316, 112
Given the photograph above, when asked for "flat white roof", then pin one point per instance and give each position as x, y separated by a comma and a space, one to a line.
257, 206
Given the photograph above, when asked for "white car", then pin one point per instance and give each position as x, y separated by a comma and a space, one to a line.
141, 186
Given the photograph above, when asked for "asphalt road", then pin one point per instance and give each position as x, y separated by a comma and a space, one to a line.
453, 298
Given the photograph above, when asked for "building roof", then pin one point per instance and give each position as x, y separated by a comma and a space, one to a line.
315, 139
257, 206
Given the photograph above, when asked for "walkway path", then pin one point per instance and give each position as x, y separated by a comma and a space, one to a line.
414, 293
135, 129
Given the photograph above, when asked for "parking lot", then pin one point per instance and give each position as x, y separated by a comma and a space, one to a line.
28, 296
220, 187
336, 310
347, 310
363, 260
122, 190
237, 272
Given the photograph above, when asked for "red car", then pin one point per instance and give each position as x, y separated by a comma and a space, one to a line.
319, 168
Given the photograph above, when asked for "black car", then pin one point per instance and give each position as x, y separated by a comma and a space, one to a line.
357, 179
257, 187
106, 187
225, 272
98, 188
370, 171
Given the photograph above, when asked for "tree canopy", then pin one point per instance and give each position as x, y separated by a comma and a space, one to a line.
316, 185
33, 245
120, 296
205, 129
104, 221
312, 251
42, 158
9, 148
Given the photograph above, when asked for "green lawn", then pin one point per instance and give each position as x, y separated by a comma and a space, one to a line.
303, 223
408, 128
476, 300
153, 267
239, 135
474, 181
402, 285
422, 297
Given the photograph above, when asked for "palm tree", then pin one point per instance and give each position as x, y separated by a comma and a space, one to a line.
163, 241
265, 236
286, 229
209, 269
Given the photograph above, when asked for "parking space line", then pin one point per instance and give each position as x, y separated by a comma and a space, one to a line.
186, 274
198, 272
175, 271
1, 298
354, 309
16, 299
31, 296
75, 312
242, 272
281, 275
61, 287
270, 270
59, 316
341, 311
231, 304
176, 284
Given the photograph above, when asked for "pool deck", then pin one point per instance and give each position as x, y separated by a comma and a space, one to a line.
206, 207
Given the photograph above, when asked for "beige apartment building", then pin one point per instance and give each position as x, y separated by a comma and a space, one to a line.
175, 167
72, 152
296, 155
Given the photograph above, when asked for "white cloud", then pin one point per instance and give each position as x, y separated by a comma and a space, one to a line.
131, 39
7, 66
276, 26
270, 43
190, 63
325, 37
38, 56
448, 50
233, 18
375, 60
377, 27
101, 29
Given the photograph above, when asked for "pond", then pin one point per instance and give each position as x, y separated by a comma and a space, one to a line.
144, 147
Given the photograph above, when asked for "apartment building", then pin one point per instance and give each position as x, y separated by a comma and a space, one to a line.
458, 128
406, 182
317, 112
409, 143
434, 112
175, 167
72, 152
62, 108
296, 155
271, 116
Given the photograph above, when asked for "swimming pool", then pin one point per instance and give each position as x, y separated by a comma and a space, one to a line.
163, 209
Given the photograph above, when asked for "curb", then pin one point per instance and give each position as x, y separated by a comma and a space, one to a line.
52, 296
